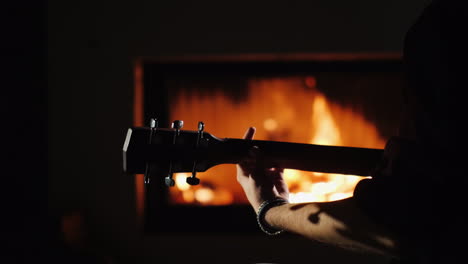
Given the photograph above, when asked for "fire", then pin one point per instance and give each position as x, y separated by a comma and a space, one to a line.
331, 186
326, 132
275, 106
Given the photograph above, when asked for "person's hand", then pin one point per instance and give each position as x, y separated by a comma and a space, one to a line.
260, 183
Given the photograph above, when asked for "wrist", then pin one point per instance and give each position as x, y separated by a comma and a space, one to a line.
264, 224
271, 217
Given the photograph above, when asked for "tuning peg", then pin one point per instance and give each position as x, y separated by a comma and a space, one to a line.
153, 123
169, 181
146, 179
153, 126
193, 180
201, 126
178, 124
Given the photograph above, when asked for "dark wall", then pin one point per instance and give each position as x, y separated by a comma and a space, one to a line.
91, 48
24, 130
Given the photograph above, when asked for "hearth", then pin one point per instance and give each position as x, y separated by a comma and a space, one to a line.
327, 99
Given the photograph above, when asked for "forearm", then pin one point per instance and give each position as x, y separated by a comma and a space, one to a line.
340, 223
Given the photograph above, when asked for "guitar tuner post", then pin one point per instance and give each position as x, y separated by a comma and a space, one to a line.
193, 180
177, 125
153, 126
201, 127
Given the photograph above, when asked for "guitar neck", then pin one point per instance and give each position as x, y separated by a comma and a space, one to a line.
308, 157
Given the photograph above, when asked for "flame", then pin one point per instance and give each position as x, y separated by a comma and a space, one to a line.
277, 105
332, 186
327, 132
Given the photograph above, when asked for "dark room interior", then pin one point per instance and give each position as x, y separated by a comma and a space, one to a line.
80, 95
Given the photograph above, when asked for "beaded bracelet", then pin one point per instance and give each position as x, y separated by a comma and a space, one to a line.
261, 216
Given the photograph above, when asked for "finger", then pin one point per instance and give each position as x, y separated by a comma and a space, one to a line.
251, 161
247, 166
279, 182
256, 155
249, 134
281, 187
241, 175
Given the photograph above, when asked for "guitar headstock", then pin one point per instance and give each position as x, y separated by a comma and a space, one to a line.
172, 150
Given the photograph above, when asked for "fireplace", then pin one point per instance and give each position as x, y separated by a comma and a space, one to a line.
328, 99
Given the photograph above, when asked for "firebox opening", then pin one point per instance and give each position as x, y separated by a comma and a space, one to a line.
334, 99
291, 108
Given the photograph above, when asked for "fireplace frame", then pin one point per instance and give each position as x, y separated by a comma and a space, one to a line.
151, 100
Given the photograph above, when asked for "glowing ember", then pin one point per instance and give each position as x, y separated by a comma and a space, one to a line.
277, 105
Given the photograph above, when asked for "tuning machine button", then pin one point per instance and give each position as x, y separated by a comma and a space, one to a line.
169, 181
178, 125
169, 178
154, 123
193, 180
201, 127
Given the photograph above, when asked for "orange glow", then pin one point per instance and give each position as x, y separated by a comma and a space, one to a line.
287, 109
270, 124
138, 121
328, 187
